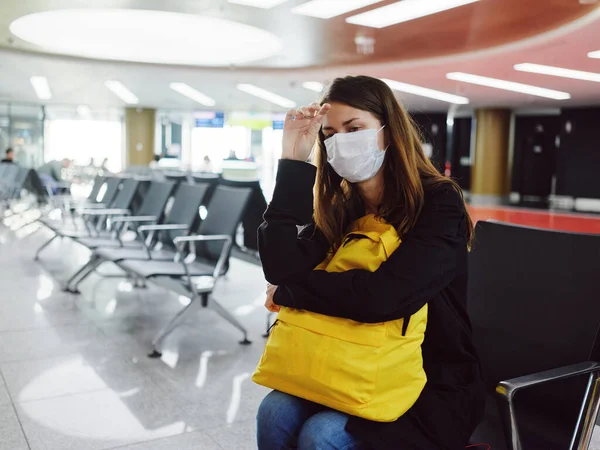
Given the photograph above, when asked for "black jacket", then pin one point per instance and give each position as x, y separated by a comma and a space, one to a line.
429, 267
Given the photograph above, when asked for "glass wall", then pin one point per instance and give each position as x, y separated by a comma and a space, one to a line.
172, 138
219, 144
4, 129
39, 134
271, 144
21, 128
239, 145
86, 142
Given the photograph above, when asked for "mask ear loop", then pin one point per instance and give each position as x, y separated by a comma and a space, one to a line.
387, 146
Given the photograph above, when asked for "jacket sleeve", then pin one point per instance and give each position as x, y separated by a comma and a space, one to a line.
289, 248
424, 264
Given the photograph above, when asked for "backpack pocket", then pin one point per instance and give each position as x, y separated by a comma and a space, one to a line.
335, 360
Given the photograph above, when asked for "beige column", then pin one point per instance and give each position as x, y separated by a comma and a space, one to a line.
490, 176
139, 129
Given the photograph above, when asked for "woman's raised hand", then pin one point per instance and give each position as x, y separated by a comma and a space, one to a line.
301, 129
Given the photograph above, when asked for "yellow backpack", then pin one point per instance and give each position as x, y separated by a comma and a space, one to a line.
374, 371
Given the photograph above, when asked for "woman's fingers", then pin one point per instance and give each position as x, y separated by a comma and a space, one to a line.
271, 292
324, 109
308, 112
320, 115
317, 120
311, 111
301, 130
271, 306
269, 303
293, 114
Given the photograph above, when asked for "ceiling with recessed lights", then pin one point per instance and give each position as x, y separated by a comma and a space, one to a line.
195, 54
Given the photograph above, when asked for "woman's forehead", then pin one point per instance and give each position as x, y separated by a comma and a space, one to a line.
341, 113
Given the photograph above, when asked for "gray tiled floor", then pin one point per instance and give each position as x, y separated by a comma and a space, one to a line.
4, 397
11, 434
74, 372
187, 441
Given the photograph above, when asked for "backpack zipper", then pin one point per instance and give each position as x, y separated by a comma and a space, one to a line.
405, 325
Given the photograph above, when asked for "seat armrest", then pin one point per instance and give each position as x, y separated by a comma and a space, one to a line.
228, 242
90, 205
104, 212
588, 414
121, 223
210, 237
128, 219
164, 227
508, 388
147, 240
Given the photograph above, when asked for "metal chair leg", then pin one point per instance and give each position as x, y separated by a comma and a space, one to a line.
586, 422
44, 245
220, 310
168, 328
509, 422
72, 283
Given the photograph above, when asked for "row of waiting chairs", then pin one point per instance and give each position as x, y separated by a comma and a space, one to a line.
15, 179
532, 299
257, 203
174, 243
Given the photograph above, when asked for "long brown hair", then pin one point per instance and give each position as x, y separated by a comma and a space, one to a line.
407, 171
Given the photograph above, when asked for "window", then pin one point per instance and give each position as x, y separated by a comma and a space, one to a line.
216, 143
83, 140
271, 154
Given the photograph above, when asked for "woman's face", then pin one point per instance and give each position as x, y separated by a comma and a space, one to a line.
342, 118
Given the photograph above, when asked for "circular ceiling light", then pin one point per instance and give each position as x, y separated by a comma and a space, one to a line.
146, 36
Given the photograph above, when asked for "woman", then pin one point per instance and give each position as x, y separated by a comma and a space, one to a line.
370, 160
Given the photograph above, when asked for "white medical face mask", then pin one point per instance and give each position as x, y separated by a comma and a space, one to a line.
355, 156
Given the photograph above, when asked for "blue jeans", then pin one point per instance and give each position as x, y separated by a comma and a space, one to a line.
287, 422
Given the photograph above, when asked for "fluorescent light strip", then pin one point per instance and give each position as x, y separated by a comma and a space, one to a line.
404, 11
326, 9
266, 95
558, 72
508, 86
41, 88
265, 4
313, 86
595, 54
122, 92
192, 93
425, 92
